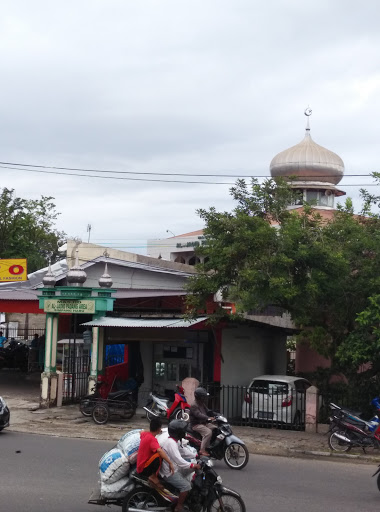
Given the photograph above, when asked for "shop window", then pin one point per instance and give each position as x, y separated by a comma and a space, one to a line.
172, 371
160, 370
179, 259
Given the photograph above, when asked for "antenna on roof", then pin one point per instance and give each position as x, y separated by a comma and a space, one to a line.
168, 231
89, 232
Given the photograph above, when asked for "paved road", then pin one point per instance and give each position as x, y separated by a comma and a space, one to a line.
57, 475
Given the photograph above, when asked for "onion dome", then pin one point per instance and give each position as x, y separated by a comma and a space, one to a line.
49, 278
105, 281
308, 161
76, 275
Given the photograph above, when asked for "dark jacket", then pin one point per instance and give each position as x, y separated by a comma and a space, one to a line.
199, 413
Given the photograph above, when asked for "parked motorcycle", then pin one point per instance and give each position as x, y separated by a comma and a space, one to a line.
207, 494
88, 402
347, 430
224, 444
15, 355
158, 406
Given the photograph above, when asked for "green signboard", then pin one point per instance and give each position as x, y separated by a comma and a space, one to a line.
69, 306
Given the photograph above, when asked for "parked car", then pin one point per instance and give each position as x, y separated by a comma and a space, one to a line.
276, 398
4, 414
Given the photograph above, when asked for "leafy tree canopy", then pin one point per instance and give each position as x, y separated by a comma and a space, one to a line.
27, 229
324, 273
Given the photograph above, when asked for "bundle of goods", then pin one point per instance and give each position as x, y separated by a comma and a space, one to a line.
114, 466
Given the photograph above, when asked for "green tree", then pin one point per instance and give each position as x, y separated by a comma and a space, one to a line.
322, 273
27, 229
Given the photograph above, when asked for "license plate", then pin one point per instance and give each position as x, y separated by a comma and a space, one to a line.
263, 415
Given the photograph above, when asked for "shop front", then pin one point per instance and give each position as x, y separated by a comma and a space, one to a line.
161, 352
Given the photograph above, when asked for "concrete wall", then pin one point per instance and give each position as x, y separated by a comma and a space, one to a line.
27, 320
249, 352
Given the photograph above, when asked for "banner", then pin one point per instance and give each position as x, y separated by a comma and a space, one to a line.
13, 270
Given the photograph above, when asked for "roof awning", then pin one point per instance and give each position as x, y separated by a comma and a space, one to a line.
109, 321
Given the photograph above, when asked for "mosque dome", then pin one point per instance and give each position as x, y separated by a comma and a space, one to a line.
308, 161
105, 281
76, 276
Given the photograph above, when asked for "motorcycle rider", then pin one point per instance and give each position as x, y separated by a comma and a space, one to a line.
151, 454
200, 418
177, 431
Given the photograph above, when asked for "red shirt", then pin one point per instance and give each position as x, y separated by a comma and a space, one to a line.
148, 447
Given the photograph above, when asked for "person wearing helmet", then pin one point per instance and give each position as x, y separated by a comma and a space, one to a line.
177, 431
200, 418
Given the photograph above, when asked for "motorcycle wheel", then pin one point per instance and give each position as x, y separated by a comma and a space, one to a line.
100, 414
236, 456
86, 406
227, 503
182, 414
378, 481
136, 498
129, 410
338, 445
152, 407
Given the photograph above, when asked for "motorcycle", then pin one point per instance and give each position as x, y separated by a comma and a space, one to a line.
88, 402
207, 494
158, 406
223, 444
15, 355
347, 430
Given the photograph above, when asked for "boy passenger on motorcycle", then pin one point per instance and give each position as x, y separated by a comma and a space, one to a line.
150, 454
177, 431
200, 418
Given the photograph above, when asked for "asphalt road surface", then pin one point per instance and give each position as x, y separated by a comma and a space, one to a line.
48, 474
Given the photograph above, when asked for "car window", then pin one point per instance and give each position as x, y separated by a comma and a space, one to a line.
269, 387
302, 385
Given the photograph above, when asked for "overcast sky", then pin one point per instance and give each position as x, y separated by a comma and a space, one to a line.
174, 86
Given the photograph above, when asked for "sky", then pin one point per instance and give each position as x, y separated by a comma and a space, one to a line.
178, 87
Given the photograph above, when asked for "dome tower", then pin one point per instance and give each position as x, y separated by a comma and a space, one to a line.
315, 170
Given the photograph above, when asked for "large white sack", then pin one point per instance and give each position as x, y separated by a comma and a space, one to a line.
118, 489
129, 444
113, 466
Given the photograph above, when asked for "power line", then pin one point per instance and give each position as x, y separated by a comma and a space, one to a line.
168, 181
160, 173
117, 177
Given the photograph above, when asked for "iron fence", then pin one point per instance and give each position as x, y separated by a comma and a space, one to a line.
75, 378
24, 335
279, 407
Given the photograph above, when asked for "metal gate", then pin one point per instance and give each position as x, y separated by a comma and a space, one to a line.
75, 377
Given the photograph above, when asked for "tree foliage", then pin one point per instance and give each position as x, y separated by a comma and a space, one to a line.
324, 273
27, 229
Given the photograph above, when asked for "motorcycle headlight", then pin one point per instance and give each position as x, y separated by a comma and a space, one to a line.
209, 463
219, 479
222, 418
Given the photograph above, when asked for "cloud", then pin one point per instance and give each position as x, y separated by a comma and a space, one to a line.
165, 86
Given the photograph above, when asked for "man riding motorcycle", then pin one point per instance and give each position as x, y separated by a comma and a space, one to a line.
200, 418
177, 431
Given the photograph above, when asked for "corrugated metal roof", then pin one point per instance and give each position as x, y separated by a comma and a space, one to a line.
22, 294
109, 321
132, 293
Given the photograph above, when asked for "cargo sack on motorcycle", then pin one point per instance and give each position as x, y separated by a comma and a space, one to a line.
129, 444
117, 489
113, 466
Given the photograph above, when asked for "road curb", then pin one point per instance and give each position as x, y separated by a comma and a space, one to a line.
350, 456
